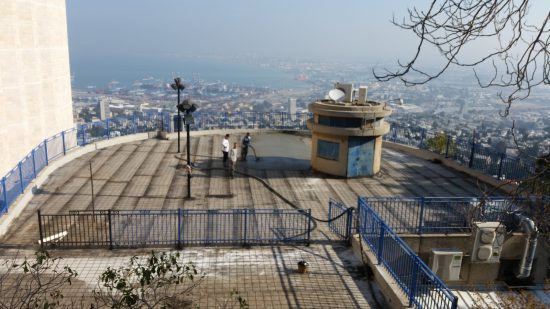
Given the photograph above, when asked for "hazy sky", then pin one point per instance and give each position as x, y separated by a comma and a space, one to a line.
301, 29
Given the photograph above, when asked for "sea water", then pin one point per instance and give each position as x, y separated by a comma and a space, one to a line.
99, 72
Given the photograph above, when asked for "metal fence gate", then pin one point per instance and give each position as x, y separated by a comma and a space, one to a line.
178, 227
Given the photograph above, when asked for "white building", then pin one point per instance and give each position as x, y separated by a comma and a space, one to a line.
35, 80
104, 109
292, 108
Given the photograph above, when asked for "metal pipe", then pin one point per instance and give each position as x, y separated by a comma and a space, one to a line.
530, 247
179, 121
188, 160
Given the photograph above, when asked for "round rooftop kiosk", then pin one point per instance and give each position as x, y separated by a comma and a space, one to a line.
347, 136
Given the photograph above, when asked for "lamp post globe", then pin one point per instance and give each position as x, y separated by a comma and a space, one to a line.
188, 107
178, 86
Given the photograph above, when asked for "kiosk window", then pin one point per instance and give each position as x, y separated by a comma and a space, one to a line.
328, 150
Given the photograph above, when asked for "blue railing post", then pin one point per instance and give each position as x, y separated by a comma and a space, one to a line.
40, 232
414, 280
245, 226
21, 176
422, 134
381, 243
447, 146
5, 193
455, 302
46, 151
502, 157
470, 164
110, 229
330, 211
135, 124
421, 215
108, 129
179, 229
308, 226
63, 141
225, 120
33, 164
83, 128
349, 223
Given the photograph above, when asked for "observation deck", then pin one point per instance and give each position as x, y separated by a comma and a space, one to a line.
149, 174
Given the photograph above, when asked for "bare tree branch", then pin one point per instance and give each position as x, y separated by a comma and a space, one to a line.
517, 49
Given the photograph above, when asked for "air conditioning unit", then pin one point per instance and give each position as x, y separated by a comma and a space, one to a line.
446, 263
489, 237
362, 95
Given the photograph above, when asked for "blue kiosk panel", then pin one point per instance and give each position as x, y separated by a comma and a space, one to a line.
360, 155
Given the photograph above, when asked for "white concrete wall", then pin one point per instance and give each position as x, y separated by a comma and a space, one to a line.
35, 85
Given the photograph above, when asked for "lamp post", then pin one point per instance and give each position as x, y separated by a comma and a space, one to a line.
178, 86
188, 108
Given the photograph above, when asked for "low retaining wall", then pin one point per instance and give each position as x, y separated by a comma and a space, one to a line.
19, 205
430, 156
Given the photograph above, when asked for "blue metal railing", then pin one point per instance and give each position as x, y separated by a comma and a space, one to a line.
466, 150
422, 287
18, 179
340, 219
460, 150
424, 215
178, 227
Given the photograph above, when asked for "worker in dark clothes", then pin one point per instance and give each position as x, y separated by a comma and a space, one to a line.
244, 146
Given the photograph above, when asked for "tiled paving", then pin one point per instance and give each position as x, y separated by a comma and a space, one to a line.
265, 276
148, 174
500, 297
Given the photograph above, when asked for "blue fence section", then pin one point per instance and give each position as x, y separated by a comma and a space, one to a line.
131, 124
466, 150
340, 219
15, 182
418, 215
422, 287
178, 227
18, 179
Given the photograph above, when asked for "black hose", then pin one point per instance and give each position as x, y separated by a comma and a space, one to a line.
270, 188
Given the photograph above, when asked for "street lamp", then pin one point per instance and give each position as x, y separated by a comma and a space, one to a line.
188, 108
178, 86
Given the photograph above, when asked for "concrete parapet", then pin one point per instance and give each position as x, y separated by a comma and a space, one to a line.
430, 156
393, 295
21, 202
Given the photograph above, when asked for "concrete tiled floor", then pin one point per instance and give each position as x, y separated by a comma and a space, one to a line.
145, 175
265, 276
148, 175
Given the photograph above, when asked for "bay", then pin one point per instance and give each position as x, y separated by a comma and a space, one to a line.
99, 71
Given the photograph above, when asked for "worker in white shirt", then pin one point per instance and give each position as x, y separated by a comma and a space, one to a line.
234, 155
225, 149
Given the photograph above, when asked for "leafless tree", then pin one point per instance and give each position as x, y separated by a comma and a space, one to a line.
517, 46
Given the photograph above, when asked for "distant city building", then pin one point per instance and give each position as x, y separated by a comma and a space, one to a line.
104, 110
292, 108
35, 83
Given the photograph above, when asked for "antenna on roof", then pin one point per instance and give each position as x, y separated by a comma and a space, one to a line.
336, 95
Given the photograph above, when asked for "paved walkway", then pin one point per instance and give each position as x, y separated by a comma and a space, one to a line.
149, 174
265, 276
